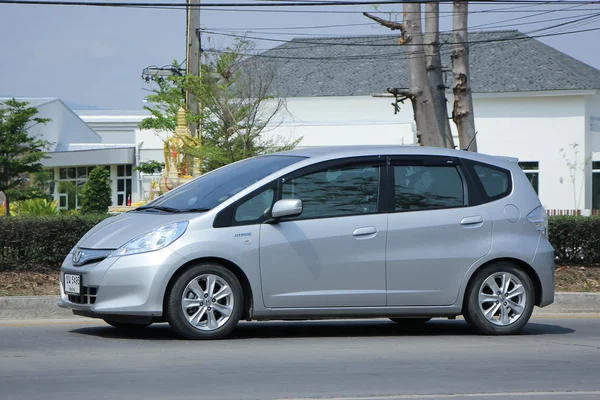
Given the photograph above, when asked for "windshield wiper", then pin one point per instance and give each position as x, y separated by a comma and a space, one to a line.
174, 210
159, 208
198, 209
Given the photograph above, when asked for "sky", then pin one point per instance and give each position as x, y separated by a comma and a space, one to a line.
94, 57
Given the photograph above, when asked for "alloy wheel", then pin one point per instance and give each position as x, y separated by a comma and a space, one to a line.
207, 302
502, 298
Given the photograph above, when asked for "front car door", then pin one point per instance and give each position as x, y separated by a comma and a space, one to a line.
333, 254
434, 236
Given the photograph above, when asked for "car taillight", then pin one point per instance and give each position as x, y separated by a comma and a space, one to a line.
539, 219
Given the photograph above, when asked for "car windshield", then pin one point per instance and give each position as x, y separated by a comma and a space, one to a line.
211, 189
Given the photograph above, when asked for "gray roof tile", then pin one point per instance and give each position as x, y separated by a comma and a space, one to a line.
500, 61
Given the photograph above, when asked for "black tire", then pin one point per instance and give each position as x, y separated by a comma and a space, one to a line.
175, 314
473, 312
410, 322
127, 326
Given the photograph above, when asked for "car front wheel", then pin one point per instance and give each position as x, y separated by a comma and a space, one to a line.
205, 302
500, 299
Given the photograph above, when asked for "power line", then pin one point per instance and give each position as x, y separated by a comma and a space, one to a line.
294, 27
400, 55
325, 43
277, 3
487, 25
443, 14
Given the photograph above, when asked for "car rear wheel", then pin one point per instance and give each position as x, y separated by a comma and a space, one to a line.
410, 321
126, 326
499, 299
205, 302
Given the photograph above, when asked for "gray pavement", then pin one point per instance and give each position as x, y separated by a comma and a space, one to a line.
29, 307
555, 358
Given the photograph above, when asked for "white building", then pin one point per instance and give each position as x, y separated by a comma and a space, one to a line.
78, 144
530, 102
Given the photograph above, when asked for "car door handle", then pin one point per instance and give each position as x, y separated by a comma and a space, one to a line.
367, 230
472, 220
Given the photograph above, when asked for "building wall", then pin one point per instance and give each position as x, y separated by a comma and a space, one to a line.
530, 128
121, 127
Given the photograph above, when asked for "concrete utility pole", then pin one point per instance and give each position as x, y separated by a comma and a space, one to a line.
462, 113
434, 71
193, 54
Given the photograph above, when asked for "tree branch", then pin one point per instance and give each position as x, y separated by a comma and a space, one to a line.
395, 26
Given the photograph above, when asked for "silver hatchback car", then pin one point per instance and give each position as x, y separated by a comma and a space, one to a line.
407, 233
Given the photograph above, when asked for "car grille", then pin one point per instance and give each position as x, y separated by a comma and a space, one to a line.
87, 296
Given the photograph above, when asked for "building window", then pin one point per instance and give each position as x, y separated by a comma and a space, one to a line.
124, 181
49, 181
532, 171
596, 185
70, 183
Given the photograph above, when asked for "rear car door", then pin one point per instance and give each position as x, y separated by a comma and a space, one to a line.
434, 236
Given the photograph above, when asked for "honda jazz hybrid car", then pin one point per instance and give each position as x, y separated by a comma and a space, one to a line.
406, 233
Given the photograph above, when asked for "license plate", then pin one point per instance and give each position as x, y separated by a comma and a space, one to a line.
72, 284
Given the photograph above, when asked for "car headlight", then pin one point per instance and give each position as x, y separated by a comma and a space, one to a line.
153, 240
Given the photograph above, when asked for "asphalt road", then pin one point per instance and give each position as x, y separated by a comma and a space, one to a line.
553, 359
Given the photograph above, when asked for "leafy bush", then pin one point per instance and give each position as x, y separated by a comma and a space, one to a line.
149, 167
34, 207
576, 240
96, 193
41, 242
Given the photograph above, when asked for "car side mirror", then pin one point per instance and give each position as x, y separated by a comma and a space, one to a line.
287, 208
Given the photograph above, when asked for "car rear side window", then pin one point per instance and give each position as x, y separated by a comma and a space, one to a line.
421, 187
335, 192
495, 181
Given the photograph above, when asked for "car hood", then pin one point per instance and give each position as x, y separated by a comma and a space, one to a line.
114, 232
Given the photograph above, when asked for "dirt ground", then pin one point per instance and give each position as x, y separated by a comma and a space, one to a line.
25, 283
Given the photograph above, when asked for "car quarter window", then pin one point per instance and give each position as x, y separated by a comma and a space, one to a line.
422, 187
337, 191
256, 208
495, 181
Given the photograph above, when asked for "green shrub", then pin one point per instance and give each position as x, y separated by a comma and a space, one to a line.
576, 240
41, 242
34, 207
150, 167
96, 193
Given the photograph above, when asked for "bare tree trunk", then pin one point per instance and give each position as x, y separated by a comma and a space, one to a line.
462, 113
435, 73
7, 206
428, 131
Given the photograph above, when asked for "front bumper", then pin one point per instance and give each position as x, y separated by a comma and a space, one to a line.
132, 285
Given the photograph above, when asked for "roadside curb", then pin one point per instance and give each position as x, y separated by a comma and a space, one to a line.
44, 307
32, 307
571, 302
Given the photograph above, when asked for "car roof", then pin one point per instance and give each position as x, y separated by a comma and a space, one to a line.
333, 152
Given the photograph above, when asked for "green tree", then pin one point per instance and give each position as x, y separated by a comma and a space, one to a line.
96, 193
238, 110
149, 167
20, 152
